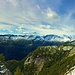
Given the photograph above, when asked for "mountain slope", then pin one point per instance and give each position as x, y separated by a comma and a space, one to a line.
47, 60
50, 60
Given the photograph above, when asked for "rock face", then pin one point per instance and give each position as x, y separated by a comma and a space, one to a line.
4, 70
51, 60
71, 71
67, 48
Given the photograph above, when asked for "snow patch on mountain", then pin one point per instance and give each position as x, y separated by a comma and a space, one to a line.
34, 37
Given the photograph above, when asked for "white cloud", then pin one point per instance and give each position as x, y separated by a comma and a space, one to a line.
13, 2
51, 15
27, 16
38, 6
45, 26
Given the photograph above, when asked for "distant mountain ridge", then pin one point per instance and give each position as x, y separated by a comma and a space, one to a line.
34, 37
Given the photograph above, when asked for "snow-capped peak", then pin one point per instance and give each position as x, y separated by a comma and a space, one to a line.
34, 37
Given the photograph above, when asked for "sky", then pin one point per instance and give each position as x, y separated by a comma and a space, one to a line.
43, 17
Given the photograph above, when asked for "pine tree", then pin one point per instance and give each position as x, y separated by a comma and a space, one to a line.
18, 71
1, 57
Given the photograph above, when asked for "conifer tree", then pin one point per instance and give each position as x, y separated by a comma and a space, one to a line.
18, 71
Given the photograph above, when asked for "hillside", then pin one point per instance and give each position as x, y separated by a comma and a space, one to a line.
48, 60
18, 49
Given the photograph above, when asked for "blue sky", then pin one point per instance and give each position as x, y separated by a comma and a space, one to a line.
40, 16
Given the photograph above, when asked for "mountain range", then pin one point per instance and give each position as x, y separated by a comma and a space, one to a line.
37, 55
35, 37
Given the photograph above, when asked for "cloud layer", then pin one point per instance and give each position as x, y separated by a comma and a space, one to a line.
41, 16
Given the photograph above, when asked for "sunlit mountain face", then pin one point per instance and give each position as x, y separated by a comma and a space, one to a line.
41, 16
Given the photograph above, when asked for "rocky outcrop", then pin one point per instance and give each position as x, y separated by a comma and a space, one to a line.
52, 60
4, 70
71, 71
